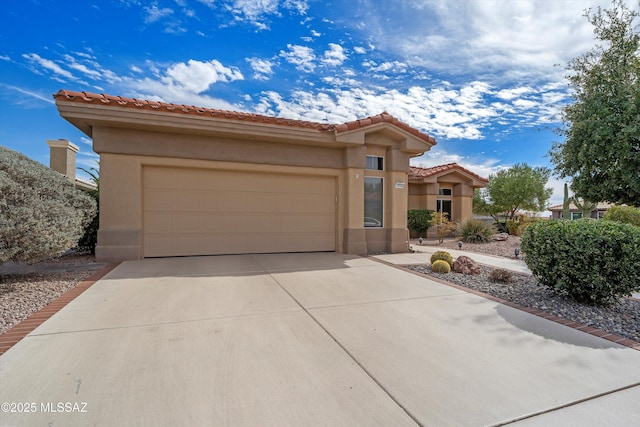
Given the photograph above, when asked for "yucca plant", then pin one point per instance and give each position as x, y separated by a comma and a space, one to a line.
475, 231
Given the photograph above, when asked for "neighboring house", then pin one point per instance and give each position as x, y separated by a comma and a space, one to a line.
62, 158
598, 212
447, 188
180, 180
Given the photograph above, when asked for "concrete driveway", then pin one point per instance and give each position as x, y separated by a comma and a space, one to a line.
306, 339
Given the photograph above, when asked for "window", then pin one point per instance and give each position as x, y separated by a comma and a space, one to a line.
576, 215
373, 206
375, 163
444, 206
444, 192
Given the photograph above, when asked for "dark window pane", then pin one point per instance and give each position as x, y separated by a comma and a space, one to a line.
373, 203
375, 163
445, 207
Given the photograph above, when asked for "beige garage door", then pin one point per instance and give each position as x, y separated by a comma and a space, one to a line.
205, 212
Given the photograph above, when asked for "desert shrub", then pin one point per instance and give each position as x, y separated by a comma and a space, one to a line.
625, 214
42, 214
475, 231
419, 221
500, 275
443, 225
592, 261
443, 256
441, 266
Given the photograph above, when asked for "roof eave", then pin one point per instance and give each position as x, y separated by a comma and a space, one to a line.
86, 116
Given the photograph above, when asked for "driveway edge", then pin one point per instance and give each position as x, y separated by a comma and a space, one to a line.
13, 335
626, 342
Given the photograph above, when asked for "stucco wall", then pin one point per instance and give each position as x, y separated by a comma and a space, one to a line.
124, 153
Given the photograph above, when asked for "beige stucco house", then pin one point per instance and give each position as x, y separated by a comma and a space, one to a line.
575, 213
179, 180
446, 188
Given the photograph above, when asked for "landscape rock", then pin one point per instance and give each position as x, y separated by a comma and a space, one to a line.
466, 265
500, 237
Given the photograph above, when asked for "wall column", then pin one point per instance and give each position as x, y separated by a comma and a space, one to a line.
62, 157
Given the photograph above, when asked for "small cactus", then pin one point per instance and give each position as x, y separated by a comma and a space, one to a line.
444, 256
441, 266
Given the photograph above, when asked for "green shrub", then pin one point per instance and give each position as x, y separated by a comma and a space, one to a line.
592, 261
441, 266
442, 256
42, 214
475, 231
625, 214
419, 221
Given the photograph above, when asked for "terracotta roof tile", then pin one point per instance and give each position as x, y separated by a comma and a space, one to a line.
92, 98
134, 103
384, 117
427, 172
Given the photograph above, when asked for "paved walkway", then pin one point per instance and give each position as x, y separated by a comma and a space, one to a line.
307, 339
422, 255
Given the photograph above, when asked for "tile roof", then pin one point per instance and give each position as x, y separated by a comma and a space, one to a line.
134, 103
436, 170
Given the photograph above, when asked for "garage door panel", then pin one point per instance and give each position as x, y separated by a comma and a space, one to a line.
200, 212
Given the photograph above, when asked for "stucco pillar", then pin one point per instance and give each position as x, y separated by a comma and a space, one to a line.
354, 238
120, 229
62, 157
462, 202
397, 194
397, 200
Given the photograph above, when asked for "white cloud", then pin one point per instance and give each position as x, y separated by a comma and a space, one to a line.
49, 65
135, 69
359, 49
5, 58
154, 14
29, 93
263, 68
302, 57
257, 11
335, 55
451, 113
196, 76
491, 38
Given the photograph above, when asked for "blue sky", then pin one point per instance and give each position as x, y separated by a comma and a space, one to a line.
484, 77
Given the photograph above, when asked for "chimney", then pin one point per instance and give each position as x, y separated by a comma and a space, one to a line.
62, 157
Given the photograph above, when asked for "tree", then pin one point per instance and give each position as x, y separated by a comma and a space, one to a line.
41, 213
625, 214
601, 151
520, 187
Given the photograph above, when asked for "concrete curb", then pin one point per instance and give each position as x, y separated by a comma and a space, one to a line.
12, 336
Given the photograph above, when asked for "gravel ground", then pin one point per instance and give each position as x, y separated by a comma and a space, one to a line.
25, 289
621, 319
504, 249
